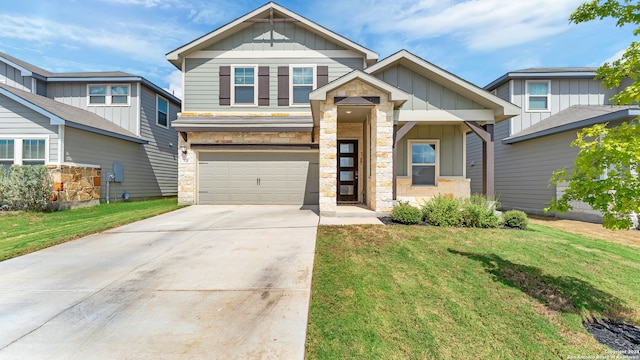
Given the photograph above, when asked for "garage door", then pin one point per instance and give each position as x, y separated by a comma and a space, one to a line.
258, 178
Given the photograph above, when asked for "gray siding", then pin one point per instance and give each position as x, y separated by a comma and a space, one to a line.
474, 159
13, 77
286, 36
426, 94
202, 80
503, 92
564, 94
75, 94
84, 147
18, 120
451, 148
162, 148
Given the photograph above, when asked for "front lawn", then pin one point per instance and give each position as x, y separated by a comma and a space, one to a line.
25, 232
398, 292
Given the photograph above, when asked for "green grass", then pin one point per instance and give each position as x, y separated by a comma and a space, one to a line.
398, 292
25, 232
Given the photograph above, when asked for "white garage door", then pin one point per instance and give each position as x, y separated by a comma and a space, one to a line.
284, 178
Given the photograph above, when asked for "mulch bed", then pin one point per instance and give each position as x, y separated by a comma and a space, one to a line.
621, 337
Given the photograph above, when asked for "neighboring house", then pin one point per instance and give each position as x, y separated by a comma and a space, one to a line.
556, 103
280, 110
95, 131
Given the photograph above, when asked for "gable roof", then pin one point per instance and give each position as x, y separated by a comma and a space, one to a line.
25, 68
63, 114
263, 12
544, 73
502, 108
572, 118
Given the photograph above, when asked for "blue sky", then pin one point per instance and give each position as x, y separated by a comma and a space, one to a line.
477, 40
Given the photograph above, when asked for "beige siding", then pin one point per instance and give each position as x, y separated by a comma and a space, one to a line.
162, 149
83, 147
451, 148
75, 94
13, 77
426, 94
18, 120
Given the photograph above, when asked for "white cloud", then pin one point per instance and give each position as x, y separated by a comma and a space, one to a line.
175, 83
616, 56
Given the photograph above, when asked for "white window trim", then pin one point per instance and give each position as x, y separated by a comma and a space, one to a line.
313, 85
435, 142
255, 85
158, 110
17, 146
527, 95
108, 95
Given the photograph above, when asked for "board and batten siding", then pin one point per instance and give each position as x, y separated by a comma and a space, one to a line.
13, 77
162, 149
564, 94
18, 120
451, 148
75, 94
83, 147
202, 84
426, 94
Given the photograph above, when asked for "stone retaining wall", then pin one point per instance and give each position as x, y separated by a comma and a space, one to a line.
75, 186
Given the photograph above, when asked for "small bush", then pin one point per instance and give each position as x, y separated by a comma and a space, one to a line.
443, 211
479, 212
515, 219
406, 214
26, 187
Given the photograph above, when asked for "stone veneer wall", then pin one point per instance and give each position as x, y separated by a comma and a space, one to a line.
417, 195
379, 186
75, 186
187, 163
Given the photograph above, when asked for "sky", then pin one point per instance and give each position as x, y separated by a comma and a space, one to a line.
478, 40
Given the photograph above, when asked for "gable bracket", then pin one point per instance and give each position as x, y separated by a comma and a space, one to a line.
271, 21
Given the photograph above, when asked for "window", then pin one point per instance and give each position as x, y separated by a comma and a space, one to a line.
244, 86
162, 108
108, 94
6, 152
33, 152
537, 95
423, 161
23, 151
302, 83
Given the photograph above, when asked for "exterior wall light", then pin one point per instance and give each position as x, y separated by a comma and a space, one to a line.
183, 148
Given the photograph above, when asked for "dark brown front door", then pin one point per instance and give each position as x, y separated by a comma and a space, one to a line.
348, 170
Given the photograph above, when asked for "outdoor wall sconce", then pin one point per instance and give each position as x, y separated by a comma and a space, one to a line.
183, 148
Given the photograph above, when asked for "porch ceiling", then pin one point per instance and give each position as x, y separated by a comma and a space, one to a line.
353, 114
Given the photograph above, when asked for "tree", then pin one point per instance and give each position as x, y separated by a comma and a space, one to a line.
605, 173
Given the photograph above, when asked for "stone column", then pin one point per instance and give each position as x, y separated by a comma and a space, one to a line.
186, 175
383, 157
328, 162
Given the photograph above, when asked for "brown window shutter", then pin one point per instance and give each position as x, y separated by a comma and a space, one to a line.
322, 74
263, 86
225, 85
283, 86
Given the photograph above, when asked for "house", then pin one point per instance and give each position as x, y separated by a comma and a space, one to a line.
103, 135
556, 103
280, 110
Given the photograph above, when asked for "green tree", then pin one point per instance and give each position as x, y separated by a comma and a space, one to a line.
613, 151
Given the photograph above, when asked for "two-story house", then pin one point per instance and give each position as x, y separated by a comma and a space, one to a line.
103, 135
556, 103
280, 110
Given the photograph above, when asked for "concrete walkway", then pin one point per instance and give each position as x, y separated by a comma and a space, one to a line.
203, 282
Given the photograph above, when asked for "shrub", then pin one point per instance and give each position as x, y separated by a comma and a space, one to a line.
406, 214
4, 181
515, 219
442, 211
26, 187
479, 212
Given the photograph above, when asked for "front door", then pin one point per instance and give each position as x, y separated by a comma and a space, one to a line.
348, 170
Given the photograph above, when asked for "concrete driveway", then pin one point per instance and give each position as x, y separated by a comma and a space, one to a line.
203, 282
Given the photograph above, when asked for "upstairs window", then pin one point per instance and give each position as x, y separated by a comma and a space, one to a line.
423, 162
538, 95
6, 152
108, 94
162, 110
302, 83
244, 86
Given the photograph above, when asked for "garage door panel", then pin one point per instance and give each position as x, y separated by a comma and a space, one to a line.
258, 178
